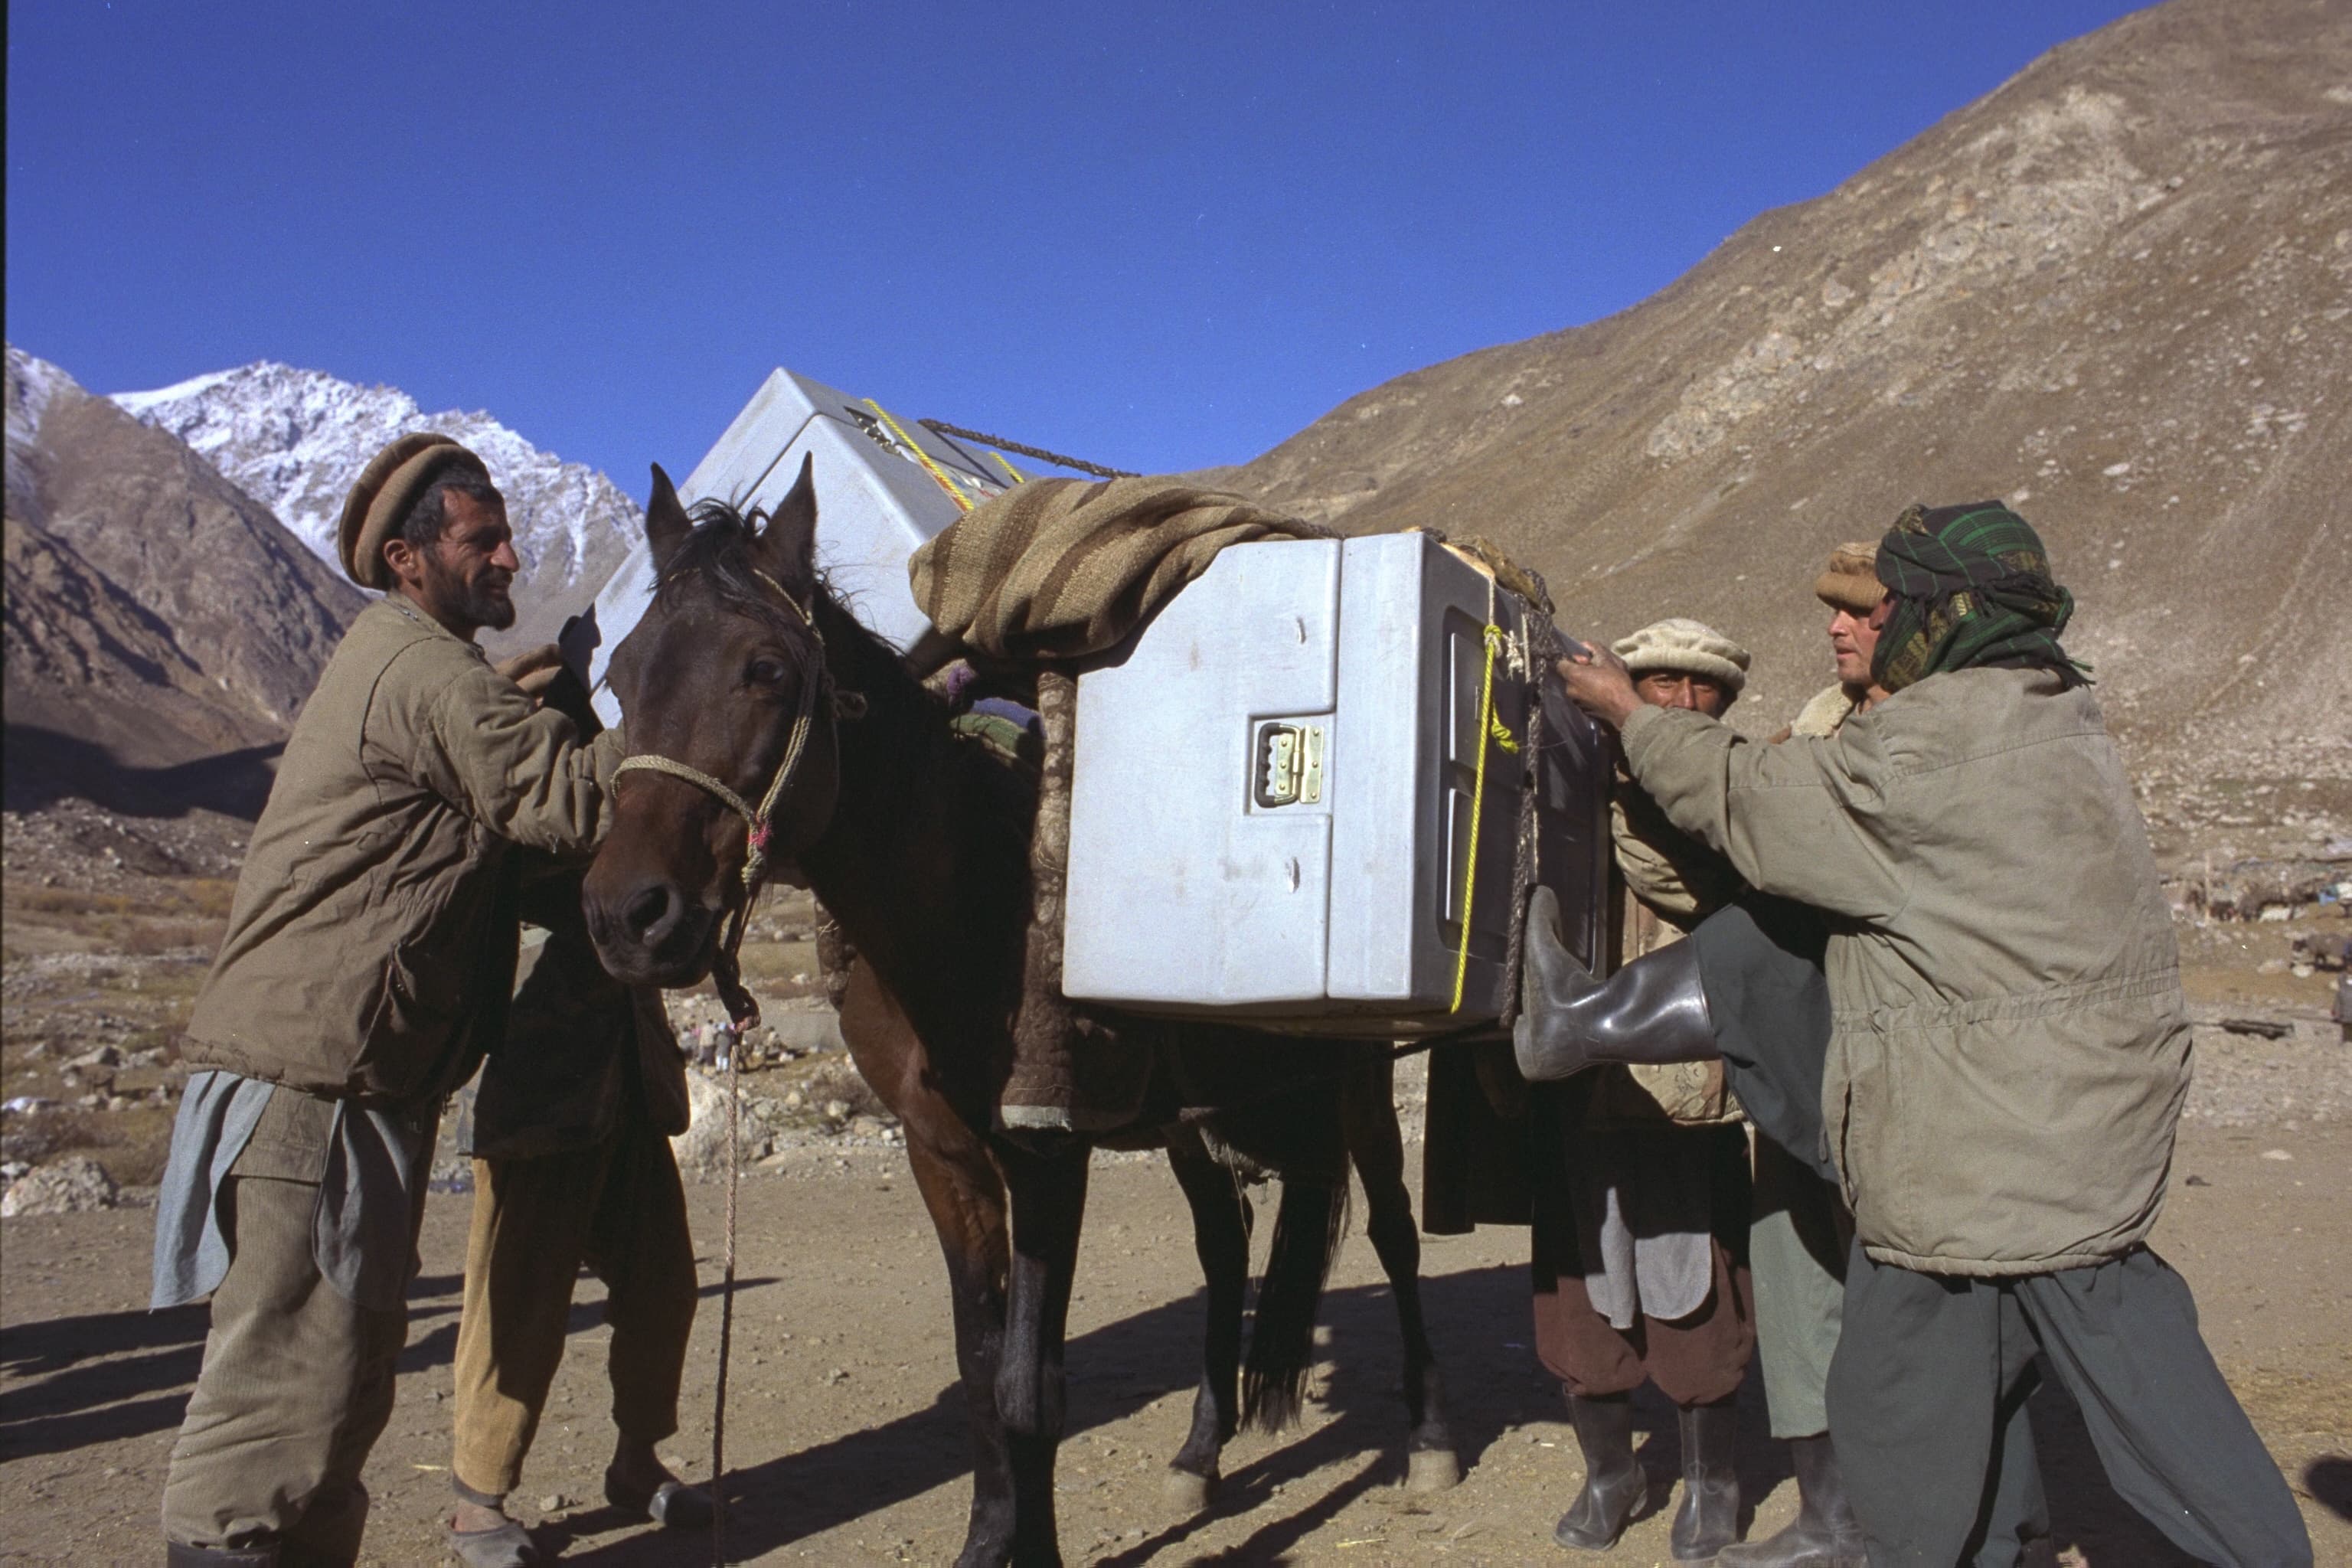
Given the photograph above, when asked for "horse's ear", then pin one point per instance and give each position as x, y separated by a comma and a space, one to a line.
787, 546
667, 524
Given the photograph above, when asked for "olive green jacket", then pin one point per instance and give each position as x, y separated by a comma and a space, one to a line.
367, 952
2011, 1047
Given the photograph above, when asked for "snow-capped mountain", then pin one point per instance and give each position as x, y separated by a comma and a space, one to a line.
159, 620
32, 382
295, 440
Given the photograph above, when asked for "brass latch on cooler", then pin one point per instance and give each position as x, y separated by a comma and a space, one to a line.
1289, 764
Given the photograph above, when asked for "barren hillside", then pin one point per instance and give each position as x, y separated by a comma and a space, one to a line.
2115, 291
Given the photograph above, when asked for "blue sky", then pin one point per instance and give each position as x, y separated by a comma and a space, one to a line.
1160, 236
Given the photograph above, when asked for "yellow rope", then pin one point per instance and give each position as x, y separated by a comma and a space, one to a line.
1018, 476
1489, 727
963, 502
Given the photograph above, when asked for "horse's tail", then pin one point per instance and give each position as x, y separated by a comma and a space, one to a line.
1307, 1233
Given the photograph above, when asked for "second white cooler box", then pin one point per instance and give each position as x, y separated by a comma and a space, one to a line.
1272, 806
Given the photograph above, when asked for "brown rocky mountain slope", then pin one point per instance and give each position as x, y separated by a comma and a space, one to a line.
162, 629
2115, 291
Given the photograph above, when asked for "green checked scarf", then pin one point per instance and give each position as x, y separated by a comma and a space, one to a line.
1971, 586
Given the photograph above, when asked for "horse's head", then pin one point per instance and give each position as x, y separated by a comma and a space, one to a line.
729, 709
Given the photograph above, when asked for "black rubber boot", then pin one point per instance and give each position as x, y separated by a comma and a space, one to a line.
1708, 1520
178, 1556
1651, 1010
1824, 1534
1614, 1485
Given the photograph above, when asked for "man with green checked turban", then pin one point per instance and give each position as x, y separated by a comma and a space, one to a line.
2008, 1052
1969, 588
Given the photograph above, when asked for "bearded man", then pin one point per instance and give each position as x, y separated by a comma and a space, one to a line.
368, 961
2007, 1062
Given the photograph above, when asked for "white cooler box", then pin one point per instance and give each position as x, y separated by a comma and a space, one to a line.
1271, 807
877, 502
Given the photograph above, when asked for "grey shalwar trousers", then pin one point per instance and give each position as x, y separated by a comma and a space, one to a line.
1797, 1242
1927, 1403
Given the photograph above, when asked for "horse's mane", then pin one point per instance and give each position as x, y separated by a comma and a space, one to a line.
719, 552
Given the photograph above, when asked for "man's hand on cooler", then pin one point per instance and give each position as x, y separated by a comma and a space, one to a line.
1598, 683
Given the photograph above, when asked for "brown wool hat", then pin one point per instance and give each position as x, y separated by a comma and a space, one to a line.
385, 489
1852, 581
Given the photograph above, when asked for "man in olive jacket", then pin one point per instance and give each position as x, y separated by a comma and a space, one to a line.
2008, 1057
368, 962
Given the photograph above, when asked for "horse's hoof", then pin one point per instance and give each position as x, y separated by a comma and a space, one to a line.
1431, 1470
1188, 1491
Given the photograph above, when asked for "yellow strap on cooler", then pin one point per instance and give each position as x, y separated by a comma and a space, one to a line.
1490, 729
955, 491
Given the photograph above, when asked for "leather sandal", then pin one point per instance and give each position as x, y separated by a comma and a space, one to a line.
506, 1544
673, 1505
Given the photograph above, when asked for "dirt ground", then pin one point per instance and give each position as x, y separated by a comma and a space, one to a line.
845, 1432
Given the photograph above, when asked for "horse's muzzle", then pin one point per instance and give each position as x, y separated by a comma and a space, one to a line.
653, 934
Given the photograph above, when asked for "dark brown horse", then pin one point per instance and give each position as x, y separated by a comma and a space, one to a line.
918, 844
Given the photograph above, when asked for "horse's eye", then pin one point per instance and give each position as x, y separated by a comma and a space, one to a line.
767, 671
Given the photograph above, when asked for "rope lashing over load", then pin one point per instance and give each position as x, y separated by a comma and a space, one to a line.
1042, 456
955, 491
726, 974
1491, 732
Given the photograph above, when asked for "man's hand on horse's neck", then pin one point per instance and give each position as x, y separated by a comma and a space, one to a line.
462, 579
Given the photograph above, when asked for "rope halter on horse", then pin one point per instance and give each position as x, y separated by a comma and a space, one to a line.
742, 1011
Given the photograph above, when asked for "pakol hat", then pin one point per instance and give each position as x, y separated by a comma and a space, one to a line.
1693, 647
1852, 581
385, 489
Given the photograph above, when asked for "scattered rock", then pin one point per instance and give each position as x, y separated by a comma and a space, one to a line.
2276, 1154
73, 1185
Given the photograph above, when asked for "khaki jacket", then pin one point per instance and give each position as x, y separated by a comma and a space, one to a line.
366, 953
2011, 1047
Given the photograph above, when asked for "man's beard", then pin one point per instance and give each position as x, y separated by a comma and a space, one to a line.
485, 603
490, 607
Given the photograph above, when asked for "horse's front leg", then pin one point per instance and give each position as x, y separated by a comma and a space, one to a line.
1376, 1144
1046, 1180
1220, 1232
965, 1196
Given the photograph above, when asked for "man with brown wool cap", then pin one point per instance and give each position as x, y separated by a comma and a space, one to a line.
368, 962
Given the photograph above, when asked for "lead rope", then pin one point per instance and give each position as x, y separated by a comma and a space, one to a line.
726, 1307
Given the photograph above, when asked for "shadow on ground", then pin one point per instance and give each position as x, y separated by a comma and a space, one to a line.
108, 1377
111, 1376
